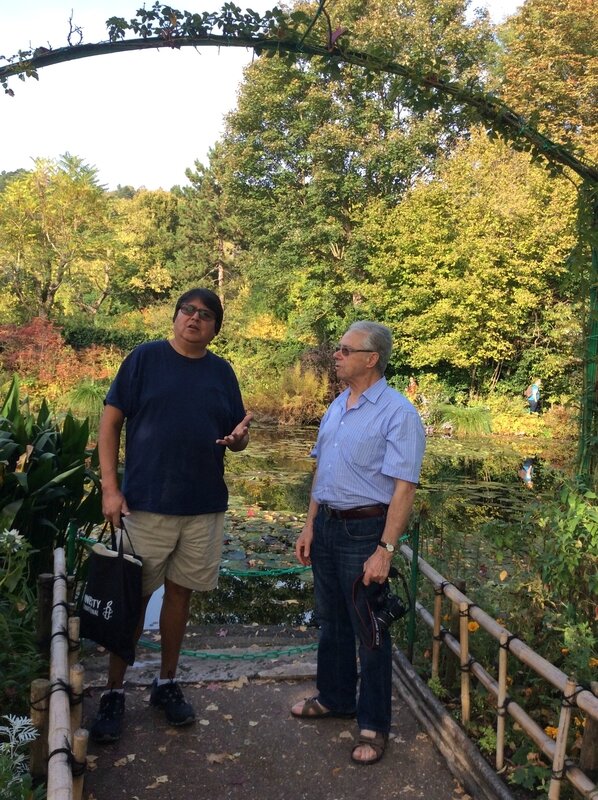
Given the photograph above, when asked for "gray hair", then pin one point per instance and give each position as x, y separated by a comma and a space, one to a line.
378, 338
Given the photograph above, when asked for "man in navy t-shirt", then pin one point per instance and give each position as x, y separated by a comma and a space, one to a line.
182, 407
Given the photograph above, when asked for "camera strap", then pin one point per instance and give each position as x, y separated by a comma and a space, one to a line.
370, 634
369, 629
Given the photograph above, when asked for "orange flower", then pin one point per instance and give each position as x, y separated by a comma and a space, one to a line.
472, 626
593, 662
550, 731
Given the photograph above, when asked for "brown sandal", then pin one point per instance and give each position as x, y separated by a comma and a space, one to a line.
378, 745
312, 708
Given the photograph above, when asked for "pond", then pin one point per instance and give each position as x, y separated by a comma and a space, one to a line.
466, 486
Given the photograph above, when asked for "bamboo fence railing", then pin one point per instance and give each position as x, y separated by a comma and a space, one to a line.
573, 695
56, 705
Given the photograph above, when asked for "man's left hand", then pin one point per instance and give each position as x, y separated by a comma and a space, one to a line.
377, 567
237, 439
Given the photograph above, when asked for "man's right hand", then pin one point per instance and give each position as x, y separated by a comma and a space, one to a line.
303, 545
114, 506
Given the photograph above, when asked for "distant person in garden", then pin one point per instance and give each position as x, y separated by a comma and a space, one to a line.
369, 453
183, 407
526, 472
412, 389
533, 395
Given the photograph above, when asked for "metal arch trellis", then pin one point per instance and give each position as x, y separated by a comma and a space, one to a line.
280, 33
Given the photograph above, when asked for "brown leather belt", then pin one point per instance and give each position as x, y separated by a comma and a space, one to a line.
360, 512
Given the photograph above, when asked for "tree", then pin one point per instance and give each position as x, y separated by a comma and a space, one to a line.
472, 266
550, 70
145, 248
306, 149
54, 232
6, 177
208, 229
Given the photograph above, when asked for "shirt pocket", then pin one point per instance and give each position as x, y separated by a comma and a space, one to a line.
365, 451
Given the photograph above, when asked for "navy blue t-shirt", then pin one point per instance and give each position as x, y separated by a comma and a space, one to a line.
175, 408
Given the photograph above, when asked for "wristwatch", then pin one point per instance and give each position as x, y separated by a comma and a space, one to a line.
387, 546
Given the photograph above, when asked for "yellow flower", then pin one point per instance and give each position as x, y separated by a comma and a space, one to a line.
550, 731
593, 662
472, 626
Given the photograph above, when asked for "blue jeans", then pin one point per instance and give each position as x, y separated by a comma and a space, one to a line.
338, 552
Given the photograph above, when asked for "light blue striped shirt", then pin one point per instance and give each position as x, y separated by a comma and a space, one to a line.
362, 450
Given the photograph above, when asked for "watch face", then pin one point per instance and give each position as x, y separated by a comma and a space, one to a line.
389, 547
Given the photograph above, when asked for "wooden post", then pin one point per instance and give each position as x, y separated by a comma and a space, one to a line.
38, 749
74, 642
503, 656
588, 758
76, 674
436, 630
60, 778
80, 739
560, 749
450, 670
464, 661
45, 583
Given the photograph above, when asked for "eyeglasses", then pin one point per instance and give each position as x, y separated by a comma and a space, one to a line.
189, 310
345, 350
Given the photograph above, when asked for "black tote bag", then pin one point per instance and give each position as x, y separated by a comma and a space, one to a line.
111, 600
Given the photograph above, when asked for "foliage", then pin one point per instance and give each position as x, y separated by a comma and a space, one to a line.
17, 623
548, 70
48, 367
34, 349
568, 551
529, 772
305, 151
337, 194
299, 397
47, 478
511, 417
208, 230
87, 400
473, 420
145, 229
53, 240
15, 782
81, 335
465, 266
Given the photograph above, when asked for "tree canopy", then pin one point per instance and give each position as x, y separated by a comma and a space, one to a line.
355, 177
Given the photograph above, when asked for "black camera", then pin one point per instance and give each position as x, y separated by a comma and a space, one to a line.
387, 608
377, 608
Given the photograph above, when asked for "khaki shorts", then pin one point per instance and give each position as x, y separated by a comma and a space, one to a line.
186, 550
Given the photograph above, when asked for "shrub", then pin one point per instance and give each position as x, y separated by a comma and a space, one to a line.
17, 623
470, 420
46, 477
80, 336
15, 781
87, 399
511, 417
298, 397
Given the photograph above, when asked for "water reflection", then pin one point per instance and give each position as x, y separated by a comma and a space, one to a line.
470, 494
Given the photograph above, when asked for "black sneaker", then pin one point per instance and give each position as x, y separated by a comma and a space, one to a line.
169, 697
107, 726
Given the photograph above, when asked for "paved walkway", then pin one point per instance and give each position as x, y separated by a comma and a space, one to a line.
244, 743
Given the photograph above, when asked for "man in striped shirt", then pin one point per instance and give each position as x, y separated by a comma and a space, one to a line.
369, 453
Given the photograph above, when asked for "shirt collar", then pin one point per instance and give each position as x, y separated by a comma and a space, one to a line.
372, 393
